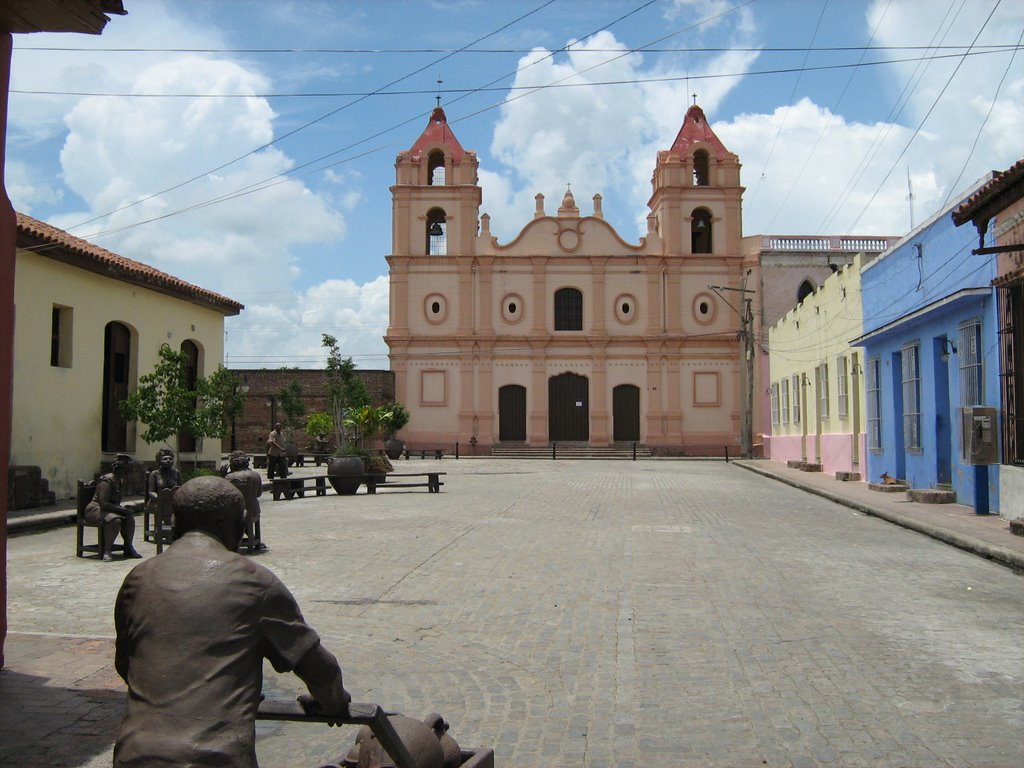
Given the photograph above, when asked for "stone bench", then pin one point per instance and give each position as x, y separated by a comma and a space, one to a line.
432, 483
292, 486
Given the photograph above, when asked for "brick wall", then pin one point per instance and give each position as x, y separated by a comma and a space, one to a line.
261, 407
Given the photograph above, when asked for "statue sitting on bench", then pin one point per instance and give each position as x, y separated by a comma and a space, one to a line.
105, 509
193, 627
250, 485
166, 475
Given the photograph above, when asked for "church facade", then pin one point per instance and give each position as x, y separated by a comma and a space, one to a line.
569, 332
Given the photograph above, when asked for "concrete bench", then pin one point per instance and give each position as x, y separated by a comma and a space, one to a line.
432, 482
292, 486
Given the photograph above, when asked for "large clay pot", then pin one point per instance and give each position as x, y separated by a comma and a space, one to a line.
393, 448
345, 474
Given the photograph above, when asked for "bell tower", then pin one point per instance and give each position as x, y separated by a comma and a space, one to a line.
696, 194
435, 199
435, 204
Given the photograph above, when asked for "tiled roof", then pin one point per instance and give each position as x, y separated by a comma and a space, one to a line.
695, 130
47, 240
437, 132
1001, 182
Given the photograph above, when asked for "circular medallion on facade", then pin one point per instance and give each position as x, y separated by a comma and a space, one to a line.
512, 308
625, 308
704, 308
569, 240
435, 307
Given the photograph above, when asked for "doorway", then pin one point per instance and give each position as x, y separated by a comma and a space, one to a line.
568, 408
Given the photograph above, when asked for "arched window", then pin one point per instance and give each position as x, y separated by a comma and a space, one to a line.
806, 289
435, 168
700, 231
437, 233
186, 440
568, 309
700, 168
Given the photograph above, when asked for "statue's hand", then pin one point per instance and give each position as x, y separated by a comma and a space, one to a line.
313, 707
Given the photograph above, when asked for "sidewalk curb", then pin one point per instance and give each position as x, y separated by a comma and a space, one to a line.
997, 554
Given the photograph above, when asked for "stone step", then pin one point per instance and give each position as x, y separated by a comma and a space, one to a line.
931, 496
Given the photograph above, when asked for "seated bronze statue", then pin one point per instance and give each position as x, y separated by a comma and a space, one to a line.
105, 509
193, 627
250, 485
166, 475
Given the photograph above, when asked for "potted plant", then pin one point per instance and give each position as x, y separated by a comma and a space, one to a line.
399, 417
378, 467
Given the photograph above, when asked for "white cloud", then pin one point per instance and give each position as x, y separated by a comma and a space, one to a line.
598, 138
275, 335
822, 172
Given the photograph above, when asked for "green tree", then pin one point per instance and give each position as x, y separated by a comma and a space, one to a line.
165, 403
290, 400
344, 387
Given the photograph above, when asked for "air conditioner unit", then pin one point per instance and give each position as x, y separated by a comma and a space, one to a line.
978, 435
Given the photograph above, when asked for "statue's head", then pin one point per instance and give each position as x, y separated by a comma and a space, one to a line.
238, 460
121, 464
165, 457
212, 505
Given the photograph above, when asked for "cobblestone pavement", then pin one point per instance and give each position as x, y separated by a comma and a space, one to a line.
584, 613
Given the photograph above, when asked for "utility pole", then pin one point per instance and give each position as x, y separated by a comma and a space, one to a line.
746, 336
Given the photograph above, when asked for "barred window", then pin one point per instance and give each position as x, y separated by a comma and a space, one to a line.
568, 309
796, 399
873, 391
968, 347
1011, 370
911, 360
784, 402
775, 404
822, 371
842, 394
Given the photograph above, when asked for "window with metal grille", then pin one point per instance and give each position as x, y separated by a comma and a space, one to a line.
842, 389
568, 309
911, 360
822, 371
873, 392
796, 399
784, 402
437, 232
435, 169
775, 404
1011, 370
968, 349
60, 336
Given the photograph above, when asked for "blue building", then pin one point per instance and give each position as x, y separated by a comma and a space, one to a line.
930, 352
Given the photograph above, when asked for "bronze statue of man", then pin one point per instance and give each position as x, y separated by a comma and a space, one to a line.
105, 509
250, 485
193, 627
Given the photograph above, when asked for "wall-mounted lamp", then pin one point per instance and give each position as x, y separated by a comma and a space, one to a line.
948, 348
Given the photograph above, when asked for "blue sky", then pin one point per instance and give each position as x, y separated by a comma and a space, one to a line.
249, 146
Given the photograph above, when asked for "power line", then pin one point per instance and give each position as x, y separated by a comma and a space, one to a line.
485, 89
389, 51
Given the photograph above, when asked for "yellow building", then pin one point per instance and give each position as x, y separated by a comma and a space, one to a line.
817, 379
88, 323
569, 333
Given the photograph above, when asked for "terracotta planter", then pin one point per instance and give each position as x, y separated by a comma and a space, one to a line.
393, 448
345, 474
